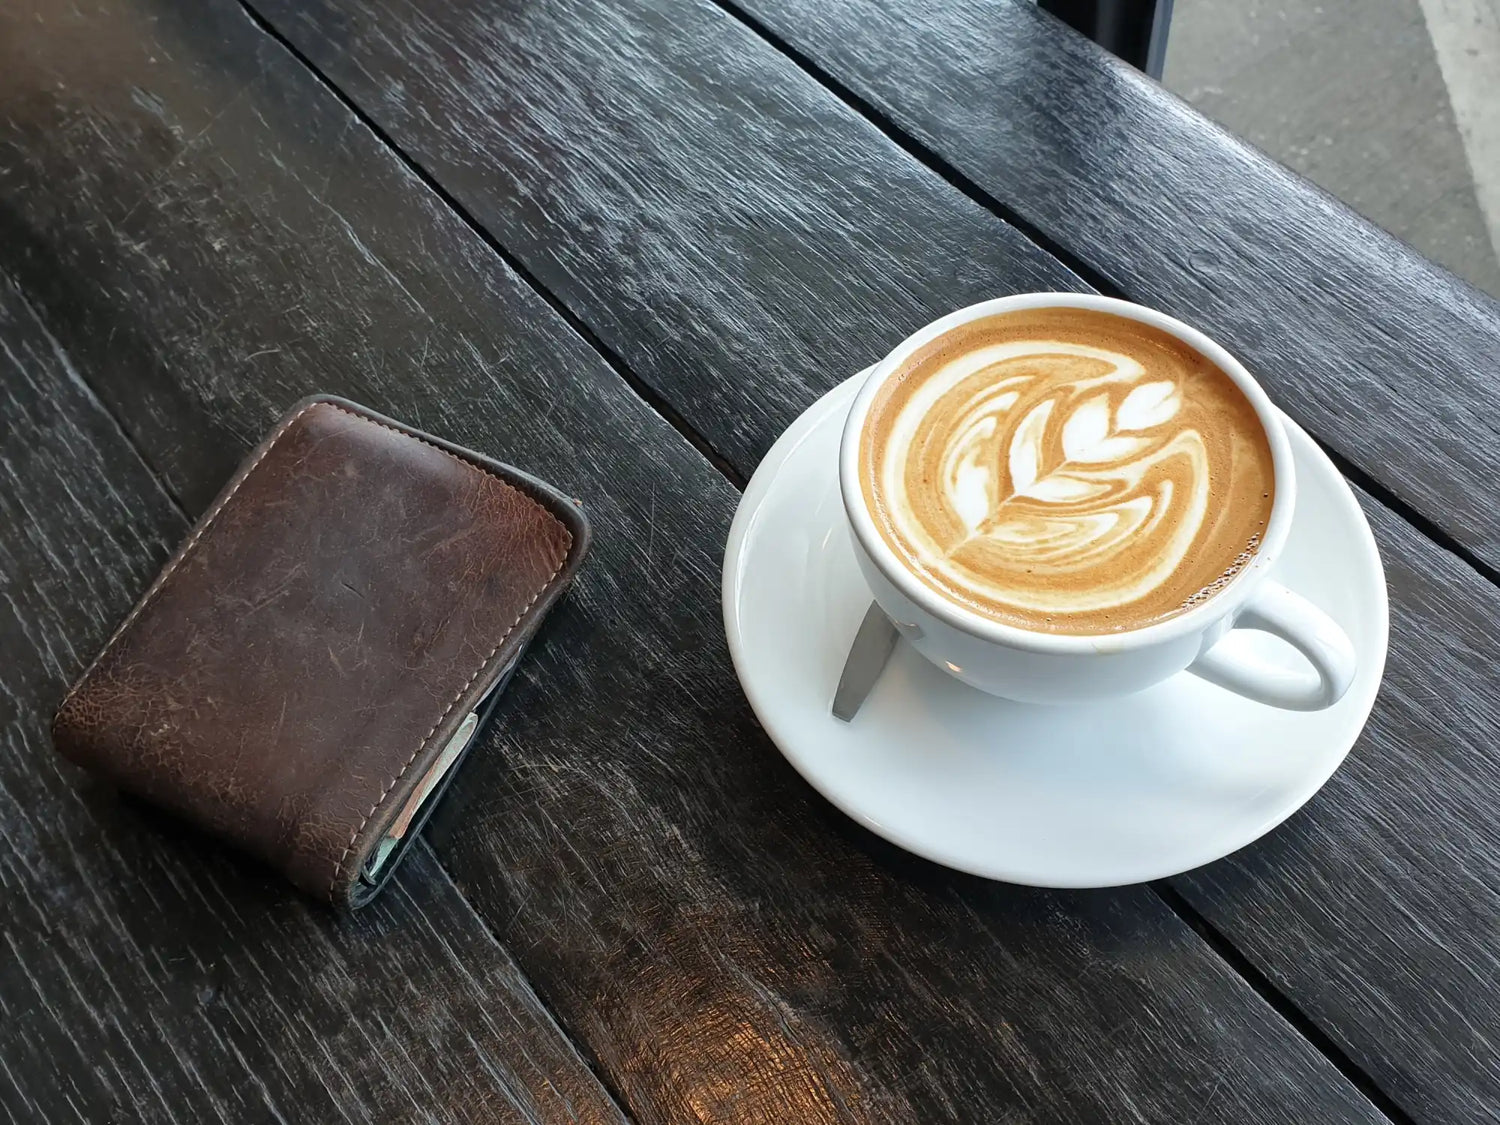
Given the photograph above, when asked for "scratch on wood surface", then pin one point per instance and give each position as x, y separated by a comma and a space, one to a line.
183, 150
1202, 1110
651, 536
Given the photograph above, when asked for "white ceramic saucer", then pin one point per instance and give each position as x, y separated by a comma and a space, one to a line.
1083, 796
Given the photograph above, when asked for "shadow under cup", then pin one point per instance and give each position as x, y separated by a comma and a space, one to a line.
1047, 667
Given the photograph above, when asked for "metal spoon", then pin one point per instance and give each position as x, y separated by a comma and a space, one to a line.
866, 660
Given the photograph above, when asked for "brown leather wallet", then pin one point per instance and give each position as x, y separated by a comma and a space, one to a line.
303, 674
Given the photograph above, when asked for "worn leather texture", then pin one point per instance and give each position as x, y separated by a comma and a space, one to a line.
299, 663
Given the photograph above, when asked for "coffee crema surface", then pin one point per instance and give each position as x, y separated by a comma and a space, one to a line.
1067, 470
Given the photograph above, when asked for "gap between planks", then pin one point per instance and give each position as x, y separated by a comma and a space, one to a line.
1279, 1002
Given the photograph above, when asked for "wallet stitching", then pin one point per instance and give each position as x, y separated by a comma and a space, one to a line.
181, 556
427, 738
567, 546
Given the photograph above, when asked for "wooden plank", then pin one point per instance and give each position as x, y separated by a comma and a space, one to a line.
147, 975
478, 99
727, 945
1385, 356
741, 239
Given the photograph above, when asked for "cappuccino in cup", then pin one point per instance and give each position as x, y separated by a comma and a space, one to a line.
1067, 470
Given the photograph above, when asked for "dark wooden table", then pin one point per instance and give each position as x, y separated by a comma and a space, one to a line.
622, 243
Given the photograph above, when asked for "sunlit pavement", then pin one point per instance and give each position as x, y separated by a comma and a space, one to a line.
1391, 105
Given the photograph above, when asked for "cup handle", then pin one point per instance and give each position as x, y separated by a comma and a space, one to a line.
1276, 610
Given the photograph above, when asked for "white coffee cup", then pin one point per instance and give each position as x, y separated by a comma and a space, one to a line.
1038, 667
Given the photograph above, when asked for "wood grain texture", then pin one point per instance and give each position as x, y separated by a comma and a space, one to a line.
728, 947
147, 975
471, 90
740, 238
1386, 356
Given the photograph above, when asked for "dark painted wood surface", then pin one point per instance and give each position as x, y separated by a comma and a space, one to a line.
145, 975
741, 239
1386, 356
1417, 1006
210, 235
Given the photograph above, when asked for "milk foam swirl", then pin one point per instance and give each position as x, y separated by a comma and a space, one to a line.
1056, 480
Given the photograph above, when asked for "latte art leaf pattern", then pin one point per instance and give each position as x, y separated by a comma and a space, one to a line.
1054, 479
